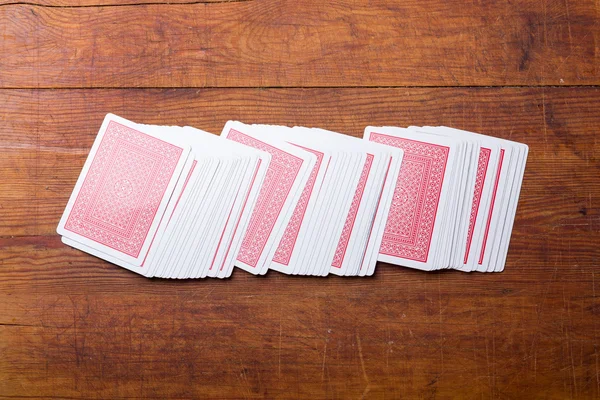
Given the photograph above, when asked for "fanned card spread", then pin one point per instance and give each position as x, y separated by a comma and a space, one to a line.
179, 202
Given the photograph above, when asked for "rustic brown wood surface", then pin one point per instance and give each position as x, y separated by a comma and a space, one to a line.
301, 43
75, 327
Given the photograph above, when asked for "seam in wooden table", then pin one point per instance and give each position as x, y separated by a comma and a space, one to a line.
26, 3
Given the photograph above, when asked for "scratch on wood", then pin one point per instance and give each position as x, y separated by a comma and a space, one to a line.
533, 350
569, 23
323, 367
243, 379
544, 117
209, 293
362, 364
40, 148
279, 351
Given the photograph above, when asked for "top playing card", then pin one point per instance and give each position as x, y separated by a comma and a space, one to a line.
125, 184
413, 212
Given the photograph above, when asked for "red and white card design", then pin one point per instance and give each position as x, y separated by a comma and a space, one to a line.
342, 245
300, 251
246, 207
182, 203
148, 267
337, 232
287, 245
208, 244
365, 239
280, 191
478, 201
123, 190
493, 178
411, 234
245, 199
384, 202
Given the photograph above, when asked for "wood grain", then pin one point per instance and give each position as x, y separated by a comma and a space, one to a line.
521, 334
48, 134
306, 43
73, 326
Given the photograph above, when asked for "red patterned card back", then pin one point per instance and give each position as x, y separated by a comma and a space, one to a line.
340, 251
412, 215
280, 177
123, 189
482, 165
290, 236
491, 209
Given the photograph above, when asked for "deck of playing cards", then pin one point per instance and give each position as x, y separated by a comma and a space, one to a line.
178, 202
455, 198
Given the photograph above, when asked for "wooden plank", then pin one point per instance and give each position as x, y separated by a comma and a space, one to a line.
73, 326
82, 328
304, 43
47, 135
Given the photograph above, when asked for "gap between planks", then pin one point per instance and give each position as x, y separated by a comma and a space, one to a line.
31, 4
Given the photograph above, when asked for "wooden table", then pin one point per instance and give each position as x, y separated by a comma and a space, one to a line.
74, 327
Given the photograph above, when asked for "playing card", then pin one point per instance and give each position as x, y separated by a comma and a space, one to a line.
503, 249
412, 233
147, 268
286, 255
280, 192
333, 204
485, 173
123, 190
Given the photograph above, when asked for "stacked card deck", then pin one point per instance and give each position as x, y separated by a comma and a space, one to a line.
456, 198
164, 201
336, 225
179, 202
